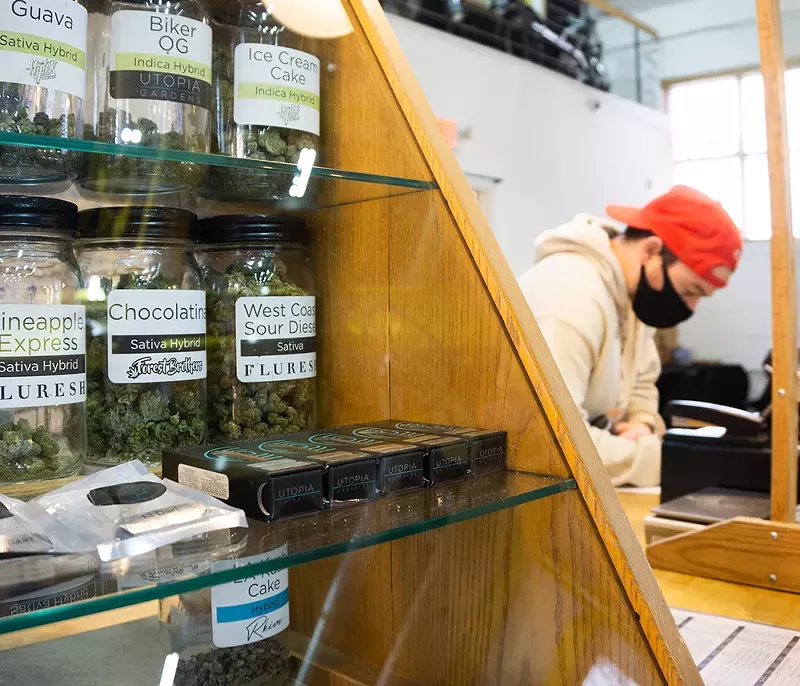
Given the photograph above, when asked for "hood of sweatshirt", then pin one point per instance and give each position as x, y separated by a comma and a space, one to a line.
590, 238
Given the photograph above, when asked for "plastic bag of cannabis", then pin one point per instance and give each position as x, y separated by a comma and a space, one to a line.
27, 529
126, 511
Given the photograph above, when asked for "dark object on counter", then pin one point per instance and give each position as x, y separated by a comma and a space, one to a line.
708, 382
712, 505
265, 663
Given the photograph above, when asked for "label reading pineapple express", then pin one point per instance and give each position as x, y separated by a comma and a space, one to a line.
276, 338
156, 335
43, 43
42, 355
275, 86
160, 57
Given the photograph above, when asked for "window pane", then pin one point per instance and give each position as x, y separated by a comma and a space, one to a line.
705, 118
720, 179
757, 216
754, 125
793, 106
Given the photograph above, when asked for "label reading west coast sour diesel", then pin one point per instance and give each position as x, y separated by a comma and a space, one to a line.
42, 355
43, 43
156, 335
275, 86
160, 57
276, 338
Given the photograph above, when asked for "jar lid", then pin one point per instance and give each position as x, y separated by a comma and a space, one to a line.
232, 228
37, 215
137, 222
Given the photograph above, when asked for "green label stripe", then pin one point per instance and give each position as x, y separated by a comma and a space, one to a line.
42, 47
271, 91
136, 61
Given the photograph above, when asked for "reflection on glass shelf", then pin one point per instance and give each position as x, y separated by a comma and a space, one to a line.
49, 585
220, 177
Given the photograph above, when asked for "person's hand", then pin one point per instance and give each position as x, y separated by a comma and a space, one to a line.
633, 431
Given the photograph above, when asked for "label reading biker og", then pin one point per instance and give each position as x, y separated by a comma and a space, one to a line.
43, 43
156, 335
275, 86
276, 338
158, 56
42, 355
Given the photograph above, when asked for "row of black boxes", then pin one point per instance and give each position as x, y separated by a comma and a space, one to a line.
300, 473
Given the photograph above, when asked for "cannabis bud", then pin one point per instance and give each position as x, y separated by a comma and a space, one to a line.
32, 453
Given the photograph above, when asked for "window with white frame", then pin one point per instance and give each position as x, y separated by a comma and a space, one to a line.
720, 145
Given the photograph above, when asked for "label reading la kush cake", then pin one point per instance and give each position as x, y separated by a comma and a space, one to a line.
275, 86
43, 43
42, 355
156, 335
160, 57
276, 338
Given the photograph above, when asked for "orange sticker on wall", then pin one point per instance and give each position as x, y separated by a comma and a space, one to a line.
450, 130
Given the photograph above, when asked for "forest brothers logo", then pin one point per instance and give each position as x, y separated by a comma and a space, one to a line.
42, 70
166, 367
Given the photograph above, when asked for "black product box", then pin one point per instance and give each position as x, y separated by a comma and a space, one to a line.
400, 465
266, 485
350, 477
487, 447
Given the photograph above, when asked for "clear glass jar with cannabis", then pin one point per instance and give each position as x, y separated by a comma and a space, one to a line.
146, 344
42, 87
151, 86
42, 359
267, 100
261, 325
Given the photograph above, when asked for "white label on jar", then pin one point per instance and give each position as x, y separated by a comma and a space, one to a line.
42, 355
250, 609
204, 480
276, 338
157, 56
43, 43
275, 86
156, 335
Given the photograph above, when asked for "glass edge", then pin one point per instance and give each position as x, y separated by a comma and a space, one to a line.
116, 601
167, 155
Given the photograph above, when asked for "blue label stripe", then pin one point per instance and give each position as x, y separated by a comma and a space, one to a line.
258, 608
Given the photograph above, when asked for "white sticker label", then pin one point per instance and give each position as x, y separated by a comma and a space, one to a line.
275, 86
276, 338
156, 56
43, 43
250, 609
42, 355
204, 480
157, 335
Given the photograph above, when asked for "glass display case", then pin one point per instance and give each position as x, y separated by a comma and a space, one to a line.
527, 575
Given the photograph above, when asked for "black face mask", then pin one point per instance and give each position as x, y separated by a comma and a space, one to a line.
661, 309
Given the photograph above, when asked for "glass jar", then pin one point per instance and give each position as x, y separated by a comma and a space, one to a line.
42, 87
151, 64
267, 97
146, 316
42, 342
261, 325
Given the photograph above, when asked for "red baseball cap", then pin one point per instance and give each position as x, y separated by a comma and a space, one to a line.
693, 226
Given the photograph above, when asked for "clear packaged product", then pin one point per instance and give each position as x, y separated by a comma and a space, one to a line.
127, 510
28, 529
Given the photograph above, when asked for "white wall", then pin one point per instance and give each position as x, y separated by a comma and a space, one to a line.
540, 133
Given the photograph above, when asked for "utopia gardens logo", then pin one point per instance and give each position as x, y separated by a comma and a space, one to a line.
42, 69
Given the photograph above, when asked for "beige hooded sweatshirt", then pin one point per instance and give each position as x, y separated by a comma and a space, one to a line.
577, 292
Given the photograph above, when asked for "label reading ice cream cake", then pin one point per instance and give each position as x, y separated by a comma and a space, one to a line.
43, 43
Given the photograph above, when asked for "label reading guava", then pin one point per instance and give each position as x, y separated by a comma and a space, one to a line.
275, 86
42, 355
158, 56
43, 43
156, 335
276, 338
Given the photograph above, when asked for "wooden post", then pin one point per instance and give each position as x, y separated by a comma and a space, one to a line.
784, 298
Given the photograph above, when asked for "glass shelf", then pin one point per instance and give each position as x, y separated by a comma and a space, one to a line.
196, 564
300, 186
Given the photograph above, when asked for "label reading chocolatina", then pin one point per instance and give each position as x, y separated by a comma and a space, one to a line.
156, 335
276, 338
42, 355
43, 43
157, 56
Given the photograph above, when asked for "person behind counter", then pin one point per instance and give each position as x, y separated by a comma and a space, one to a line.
597, 295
